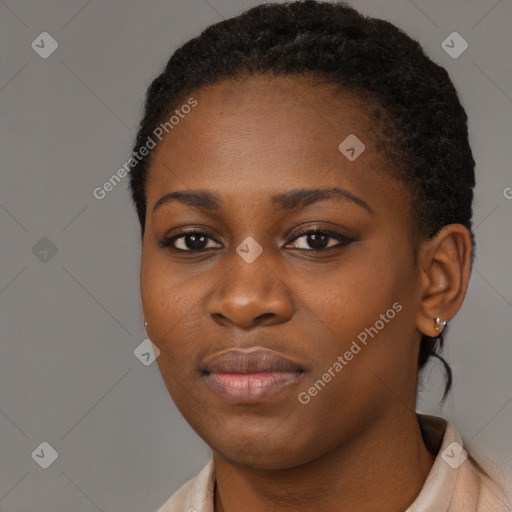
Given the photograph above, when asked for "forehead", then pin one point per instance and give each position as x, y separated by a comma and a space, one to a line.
277, 111
255, 134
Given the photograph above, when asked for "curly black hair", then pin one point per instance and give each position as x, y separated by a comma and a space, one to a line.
422, 124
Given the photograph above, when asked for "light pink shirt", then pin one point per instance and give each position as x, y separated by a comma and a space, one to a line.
455, 482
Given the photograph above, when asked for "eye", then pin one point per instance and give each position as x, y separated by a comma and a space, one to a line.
197, 241
318, 239
190, 241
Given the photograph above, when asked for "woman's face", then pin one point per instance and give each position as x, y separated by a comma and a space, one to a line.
340, 308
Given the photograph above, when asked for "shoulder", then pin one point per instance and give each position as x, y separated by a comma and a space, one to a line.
476, 491
456, 482
195, 495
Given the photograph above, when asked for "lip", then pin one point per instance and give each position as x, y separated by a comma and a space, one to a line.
249, 376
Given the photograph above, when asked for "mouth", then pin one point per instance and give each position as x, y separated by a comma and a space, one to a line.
246, 377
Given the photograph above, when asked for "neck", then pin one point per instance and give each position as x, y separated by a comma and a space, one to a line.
383, 469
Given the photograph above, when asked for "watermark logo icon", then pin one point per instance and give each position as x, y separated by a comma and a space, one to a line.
45, 455
249, 249
146, 352
454, 455
44, 250
351, 147
44, 45
454, 45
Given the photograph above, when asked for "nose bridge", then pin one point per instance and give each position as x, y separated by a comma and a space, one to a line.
250, 287
250, 268
249, 250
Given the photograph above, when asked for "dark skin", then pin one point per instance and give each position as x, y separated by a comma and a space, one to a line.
357, 442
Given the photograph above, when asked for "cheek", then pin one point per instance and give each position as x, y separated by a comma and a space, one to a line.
166, 297
364, 316
348, 297
174, 307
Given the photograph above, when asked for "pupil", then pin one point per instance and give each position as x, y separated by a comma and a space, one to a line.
315, 238
194, 239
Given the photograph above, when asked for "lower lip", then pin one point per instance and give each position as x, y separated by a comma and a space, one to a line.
250, 387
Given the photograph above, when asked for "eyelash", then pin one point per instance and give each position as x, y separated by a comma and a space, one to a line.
344, 240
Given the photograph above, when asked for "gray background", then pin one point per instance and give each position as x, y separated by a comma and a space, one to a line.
70, 321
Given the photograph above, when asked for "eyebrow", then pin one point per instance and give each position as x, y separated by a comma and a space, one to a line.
289, 200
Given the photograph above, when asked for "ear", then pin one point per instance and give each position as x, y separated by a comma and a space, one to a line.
445, 266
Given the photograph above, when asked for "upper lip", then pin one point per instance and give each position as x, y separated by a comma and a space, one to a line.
248, 361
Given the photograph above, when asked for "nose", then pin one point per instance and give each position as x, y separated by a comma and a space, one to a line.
251, 294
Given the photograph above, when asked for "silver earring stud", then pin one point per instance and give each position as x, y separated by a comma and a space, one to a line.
440, 324
145, 324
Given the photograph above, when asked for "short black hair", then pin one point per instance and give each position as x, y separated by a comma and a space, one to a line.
423, 126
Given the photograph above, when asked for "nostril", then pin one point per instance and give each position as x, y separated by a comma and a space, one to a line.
265, 315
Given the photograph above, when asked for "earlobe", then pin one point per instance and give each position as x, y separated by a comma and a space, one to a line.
444, 264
